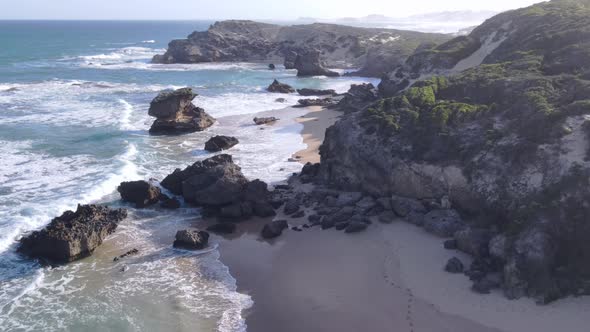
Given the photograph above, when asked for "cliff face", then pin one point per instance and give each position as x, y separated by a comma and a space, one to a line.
340, 46
505, 137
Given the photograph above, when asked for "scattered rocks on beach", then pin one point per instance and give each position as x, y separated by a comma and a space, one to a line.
140, 193
219, 143
265, 120
191, 239
176, 113
323, 102
73, 235
316, 92
278, 87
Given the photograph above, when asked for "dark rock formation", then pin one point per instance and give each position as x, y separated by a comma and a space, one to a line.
355, 227
272, 66
219, 143
176, 113
323, 102
265, 120
308, 63
127, 254
358, 97
191, 239
474, 241
278, 87
316, 92
274, 229
443, 223
454, 265
170, 203
140, 193
73, 235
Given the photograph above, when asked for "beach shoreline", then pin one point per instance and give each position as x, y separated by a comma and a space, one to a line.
315, 123
390, 276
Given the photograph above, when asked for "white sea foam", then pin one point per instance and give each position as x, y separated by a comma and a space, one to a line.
151, 41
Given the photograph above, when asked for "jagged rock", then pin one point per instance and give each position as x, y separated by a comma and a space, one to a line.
316, 92
176, 113
290, 58
213, 181
366, 204
278, 87
264, 209
191, 239
343, 214
140, 193
238, 210
281, 100
314, 219
222, 228
358, 97
499, 247
308, 63
310, 169
292, 206
170, 204
385, 202
218, 143
356, 227
127, 254
403, 206
443, 223
327, 223
73, 235
322, 102
348, 198
454, 265
274, 229
265, 120
486, 284
473, 241
299, 214
271, 66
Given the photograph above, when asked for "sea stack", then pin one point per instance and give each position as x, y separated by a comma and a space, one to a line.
176, 113
308, 63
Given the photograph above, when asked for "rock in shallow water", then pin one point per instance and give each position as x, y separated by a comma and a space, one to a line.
73, 235
218, 143
278, 87
176, 113
140, 193
274, 229
191, 239
265, 120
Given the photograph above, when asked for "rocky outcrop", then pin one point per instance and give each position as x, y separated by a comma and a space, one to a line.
218, 184
278, 87
191, 239
316, 92
323, 102
375, 50
358, 97
265, 120
501, 140
131, 252
308, 63
176, 113
73, 235
219, 143
140, 193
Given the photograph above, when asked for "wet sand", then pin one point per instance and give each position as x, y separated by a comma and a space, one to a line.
314, 128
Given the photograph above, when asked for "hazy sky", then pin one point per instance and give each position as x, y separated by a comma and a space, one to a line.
223, 9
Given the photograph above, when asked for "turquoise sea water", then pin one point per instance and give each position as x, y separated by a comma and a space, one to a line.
73, 125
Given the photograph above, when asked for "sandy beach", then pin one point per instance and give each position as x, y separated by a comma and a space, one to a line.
389, 278
314, 129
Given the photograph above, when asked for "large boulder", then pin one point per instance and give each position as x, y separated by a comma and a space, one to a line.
274, 229
213, 181
191, 239
73, 235
176, 113
322, 102
474, 241
219, 143
265, 120
358, 97
444, 223
278, 87
308, 63
140, 193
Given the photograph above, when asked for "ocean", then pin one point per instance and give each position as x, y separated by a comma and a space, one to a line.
73, 125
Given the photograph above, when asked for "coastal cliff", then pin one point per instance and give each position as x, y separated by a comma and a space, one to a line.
497, 122
375, 51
